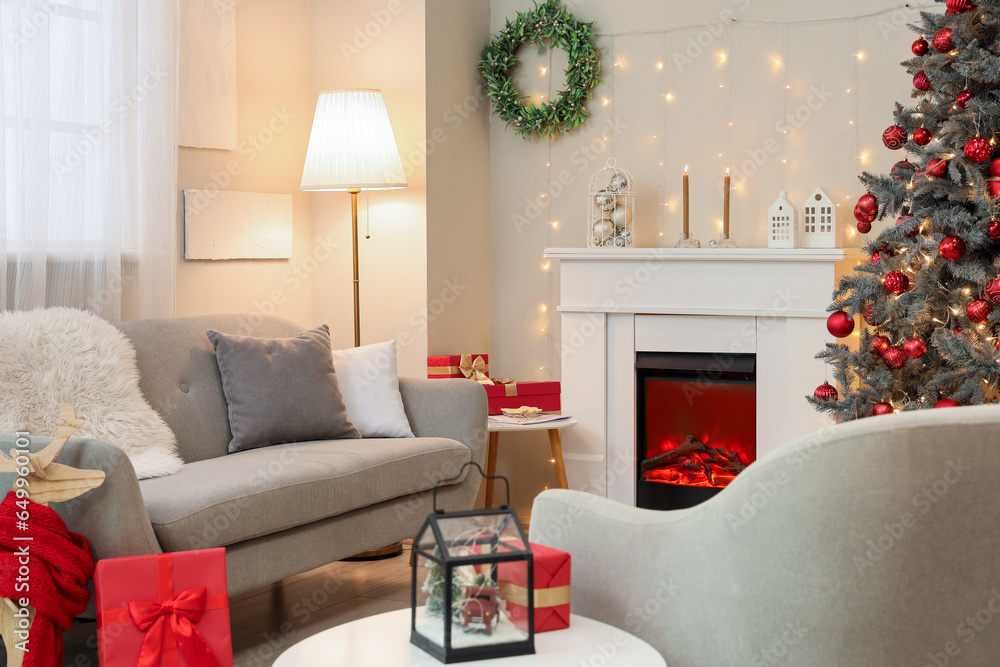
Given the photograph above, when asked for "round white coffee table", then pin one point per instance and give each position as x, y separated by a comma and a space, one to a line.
384, 641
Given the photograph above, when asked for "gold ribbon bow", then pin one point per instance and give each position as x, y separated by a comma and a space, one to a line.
474, 369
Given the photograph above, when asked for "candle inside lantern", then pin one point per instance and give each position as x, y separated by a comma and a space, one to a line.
687, 218
725, 204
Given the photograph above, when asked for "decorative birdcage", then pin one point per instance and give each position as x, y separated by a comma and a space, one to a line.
610, 208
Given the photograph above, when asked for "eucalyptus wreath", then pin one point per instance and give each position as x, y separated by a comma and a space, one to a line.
550, 25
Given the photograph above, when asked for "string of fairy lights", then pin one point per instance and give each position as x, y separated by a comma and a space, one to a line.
726, 27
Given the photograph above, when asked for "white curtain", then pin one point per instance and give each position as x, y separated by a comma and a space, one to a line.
88, 175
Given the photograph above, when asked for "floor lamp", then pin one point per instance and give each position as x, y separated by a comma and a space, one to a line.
352, 148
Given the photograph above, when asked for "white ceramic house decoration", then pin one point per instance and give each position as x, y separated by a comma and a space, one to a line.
819, 221
782, 229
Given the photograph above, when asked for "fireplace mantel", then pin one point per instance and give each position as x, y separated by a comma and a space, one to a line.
617, 302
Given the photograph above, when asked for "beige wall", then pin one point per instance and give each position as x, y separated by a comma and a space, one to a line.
274, 116
458, 179
376, 44
692, 129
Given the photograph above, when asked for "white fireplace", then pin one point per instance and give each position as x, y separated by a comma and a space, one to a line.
615, 303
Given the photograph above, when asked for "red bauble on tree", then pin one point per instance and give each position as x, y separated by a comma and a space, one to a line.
993, 229
894, 137
902, 220
902, 170
881, 409
878, 345
978, 150
868, 204
993, 290
959, 6
993, 184
937, 168
978, 310
896, 283
921, 82
894, 357
864, 218
958, 331
864, 227
952, 248
881, 254
915, 348
922, 136
869, 317
942, 41
963, 98
947, 403
840, 325
826, 392
920, 47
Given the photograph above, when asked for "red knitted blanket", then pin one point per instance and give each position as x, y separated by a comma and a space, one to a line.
50, 569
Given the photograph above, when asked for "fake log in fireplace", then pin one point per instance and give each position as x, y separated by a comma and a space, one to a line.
696, 425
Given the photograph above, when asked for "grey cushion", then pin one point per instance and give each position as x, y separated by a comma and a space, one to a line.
226, 500
180, 379
281, 389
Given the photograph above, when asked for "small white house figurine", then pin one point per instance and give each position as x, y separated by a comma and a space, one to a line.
819, 221
782, 228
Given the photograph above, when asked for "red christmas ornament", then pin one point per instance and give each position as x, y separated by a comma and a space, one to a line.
896, 283
959, 6
868, 204
915, 348
993, 229
869, 317
963, 98
978, 310
902, 171
878, 345
922, 136
952, 248
881, 254
937, 168
882, 409
947, 403
920, 47
902, 220
993, 290
894, 357
864, 219
864, 227
921, 82
942, 41
826, 392
978, 150
840, 325
958, 331
894, 137
993, 184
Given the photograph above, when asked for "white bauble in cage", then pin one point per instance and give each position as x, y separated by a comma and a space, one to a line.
610, 208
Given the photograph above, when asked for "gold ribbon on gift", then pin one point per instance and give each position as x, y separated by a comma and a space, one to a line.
475, 369
544, 597
509, 385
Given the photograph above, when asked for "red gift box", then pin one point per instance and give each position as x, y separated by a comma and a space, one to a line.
552, 578
541, 395
166, 609
458, 366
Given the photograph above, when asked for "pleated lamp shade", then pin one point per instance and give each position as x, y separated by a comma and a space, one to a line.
352, 146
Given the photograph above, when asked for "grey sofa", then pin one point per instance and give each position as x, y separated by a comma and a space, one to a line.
870, 544
279, 510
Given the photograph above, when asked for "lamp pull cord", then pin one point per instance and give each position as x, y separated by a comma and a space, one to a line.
368, 214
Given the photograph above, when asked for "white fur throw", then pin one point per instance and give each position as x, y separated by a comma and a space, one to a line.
61, 356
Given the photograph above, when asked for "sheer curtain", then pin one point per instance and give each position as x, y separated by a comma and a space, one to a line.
88, 175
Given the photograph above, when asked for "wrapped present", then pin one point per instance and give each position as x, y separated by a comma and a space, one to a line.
542, 395
473, 366
552, 586
166, 609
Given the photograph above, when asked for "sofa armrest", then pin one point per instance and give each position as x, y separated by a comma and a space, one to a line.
455, 409
112, 516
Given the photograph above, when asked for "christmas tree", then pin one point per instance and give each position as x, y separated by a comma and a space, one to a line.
928, 294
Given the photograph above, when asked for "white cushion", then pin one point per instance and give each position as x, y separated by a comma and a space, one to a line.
370, 385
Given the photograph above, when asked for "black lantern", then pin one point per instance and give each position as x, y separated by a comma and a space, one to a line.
465, 566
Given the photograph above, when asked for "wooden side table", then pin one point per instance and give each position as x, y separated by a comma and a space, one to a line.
555, 443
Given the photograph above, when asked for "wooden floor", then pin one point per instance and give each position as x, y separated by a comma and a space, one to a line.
267, 621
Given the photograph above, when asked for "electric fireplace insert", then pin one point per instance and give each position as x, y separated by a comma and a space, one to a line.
696, 425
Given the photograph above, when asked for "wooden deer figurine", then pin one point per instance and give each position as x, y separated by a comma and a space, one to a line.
48, 482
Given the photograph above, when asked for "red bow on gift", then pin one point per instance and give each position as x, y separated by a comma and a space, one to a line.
171, 624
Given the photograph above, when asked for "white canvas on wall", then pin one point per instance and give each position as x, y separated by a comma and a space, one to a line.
207, 74
237, 225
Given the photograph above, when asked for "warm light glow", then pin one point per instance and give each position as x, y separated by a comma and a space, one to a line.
670, 97
544, 307
777, 61
606, 101
967, 291
545, 266
861, 56
722, 57
864, 157
555, 225
659, 65
545, 70
685, 170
